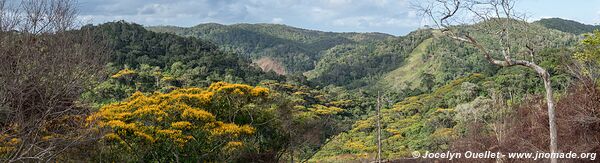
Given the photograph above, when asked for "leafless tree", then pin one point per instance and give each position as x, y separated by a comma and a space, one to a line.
44, 68
497, 20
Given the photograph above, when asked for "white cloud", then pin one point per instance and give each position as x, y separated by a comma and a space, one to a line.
319, 14
371, 21
339, 2
381, 3
277, 20
327, 15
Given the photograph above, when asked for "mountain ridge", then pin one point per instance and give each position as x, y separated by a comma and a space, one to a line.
296, 48
352, 60
569, 26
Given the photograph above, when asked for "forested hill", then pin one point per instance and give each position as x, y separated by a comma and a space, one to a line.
568, 26
294, 49
354, 60
151, 61
432, 81
439, 59
457, 91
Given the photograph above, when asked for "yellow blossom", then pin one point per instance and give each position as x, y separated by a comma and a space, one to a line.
175, 117
231, 129
259, 91
324, 110
144, 136
181, 125
14, 141
197, 114
121, 124
124, 73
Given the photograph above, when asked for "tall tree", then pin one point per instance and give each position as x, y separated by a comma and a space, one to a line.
500, 23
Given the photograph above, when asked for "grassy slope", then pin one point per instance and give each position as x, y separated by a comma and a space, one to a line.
410, 71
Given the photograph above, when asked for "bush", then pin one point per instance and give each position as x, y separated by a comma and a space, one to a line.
186, 124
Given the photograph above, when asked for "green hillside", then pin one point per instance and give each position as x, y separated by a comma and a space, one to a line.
421, 122
297, 49
568, 26
455, 80
160, 62
360, 65
440, 59
408, 75
122, 92
355, 60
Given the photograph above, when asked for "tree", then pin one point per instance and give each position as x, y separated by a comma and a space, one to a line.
427, 81
500, 23
44, 68
185, 124
589, 56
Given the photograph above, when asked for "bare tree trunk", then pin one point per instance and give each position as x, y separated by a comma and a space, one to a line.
550, 102
551, 116
508, 62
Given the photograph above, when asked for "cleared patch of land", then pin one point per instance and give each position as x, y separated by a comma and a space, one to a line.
269, 64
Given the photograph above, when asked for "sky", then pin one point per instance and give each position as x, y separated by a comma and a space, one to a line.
395, 17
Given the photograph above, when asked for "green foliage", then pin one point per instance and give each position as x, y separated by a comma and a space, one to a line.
590, 48
186, 124
446, 59
421, 122
146, 61
431, 121
478, 110
568, 26
313, 116
588, 55
407, 75
300, 118
133, 46
435, 79
354, 66
224, 122
297, 48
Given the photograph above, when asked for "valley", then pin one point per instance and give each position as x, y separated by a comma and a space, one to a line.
119, 91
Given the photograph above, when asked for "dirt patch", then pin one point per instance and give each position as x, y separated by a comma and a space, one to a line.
269, 64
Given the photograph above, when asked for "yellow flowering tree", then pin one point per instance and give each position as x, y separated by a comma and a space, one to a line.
589, 55
223, 122
188, 123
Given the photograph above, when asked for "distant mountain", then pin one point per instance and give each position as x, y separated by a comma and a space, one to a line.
295, 49
568, 26
360, 65
356, 60
131, 46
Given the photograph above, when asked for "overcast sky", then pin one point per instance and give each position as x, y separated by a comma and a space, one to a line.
387, 16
